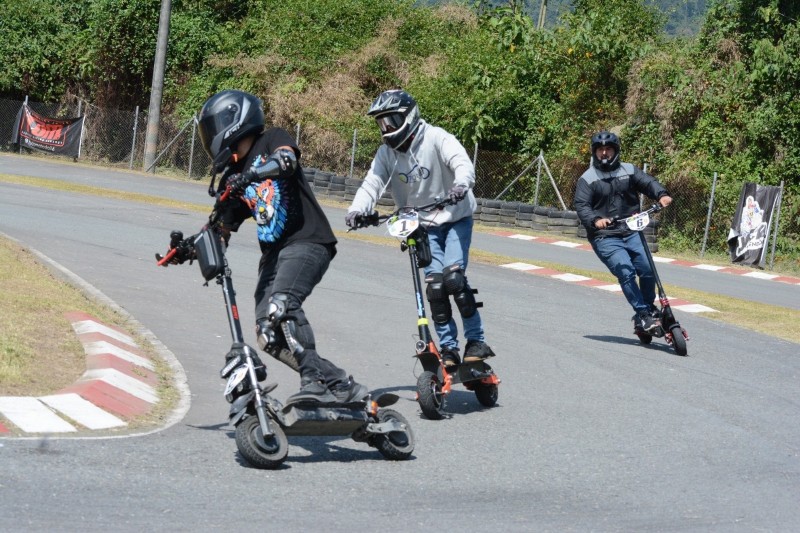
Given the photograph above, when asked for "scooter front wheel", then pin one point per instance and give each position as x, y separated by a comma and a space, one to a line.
430, 396
678, 340
261, 452
486, 394
395, 445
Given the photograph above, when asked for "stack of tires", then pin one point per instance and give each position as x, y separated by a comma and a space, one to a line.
540, 217
322, 182
337, 186
490, 212
508, 213
309, 173
525, 215
563, 222
651, 234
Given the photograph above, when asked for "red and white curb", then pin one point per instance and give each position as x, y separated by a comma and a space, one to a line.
700, 266
118, 385
528, 268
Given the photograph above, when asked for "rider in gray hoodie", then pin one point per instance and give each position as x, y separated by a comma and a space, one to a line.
422, 164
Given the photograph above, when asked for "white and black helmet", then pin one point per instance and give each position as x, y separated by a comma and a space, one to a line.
224, 120
397, 115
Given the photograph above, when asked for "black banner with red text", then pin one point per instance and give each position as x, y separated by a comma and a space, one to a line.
54, 135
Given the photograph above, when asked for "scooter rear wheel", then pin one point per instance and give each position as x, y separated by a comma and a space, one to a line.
396, 445
644, 338
260, 452
678, 341
430, 396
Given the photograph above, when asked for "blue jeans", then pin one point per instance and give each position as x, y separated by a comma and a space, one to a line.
626, 258
450, 246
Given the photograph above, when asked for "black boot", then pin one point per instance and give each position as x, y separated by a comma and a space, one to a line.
313, 390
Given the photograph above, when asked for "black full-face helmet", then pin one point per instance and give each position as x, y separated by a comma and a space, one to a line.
605, 138
397, 115
225, 119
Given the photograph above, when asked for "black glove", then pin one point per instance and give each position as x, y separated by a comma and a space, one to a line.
457, 193
355, 220
184, 248
239, 182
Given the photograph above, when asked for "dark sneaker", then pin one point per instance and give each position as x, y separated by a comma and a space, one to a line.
450, 356
646, 322
312, 391
349, 391
477, 351
655, 312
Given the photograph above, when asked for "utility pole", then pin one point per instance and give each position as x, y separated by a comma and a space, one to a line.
542, 14
157, 87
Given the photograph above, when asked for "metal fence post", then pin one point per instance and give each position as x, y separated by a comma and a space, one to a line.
475, 155
133, 144
777, 220
191, 148
297, 133
538, 178
353, 153
708, 217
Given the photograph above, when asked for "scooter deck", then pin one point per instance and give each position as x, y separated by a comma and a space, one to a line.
472, 371
315, 418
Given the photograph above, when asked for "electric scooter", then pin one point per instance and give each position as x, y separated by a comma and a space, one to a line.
261, 422
669, 328
437, 380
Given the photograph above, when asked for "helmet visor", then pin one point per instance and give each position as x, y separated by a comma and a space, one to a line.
390, 122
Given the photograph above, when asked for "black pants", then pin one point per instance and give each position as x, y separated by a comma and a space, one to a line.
295, 270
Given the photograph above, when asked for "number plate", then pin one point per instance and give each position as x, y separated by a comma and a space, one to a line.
238, 375
403, 225
638, 222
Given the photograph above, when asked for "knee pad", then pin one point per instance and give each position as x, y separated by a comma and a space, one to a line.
455, 283
272, 342
441, 312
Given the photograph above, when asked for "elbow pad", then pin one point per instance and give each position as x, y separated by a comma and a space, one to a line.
280, 164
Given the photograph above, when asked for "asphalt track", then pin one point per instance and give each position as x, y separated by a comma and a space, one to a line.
593, 432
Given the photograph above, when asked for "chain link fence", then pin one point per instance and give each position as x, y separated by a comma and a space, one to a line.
513, 190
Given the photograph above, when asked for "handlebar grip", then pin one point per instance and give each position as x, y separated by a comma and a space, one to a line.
164, 261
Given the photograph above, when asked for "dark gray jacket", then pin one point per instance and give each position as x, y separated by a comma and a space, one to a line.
613, 194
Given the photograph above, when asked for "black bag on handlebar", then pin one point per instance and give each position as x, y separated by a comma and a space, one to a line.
208, 247
424, 256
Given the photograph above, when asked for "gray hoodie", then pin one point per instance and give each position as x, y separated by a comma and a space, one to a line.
435, 162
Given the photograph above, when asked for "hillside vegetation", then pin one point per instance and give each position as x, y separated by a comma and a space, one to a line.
721, 101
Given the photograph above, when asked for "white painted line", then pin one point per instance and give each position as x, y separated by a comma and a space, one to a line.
570, 277
567, 244
708, 267
83, 412
694, 308
523, 237
117, 379
610, 288
32, 416
761, 275
101, 347
662, 259
90, 326
521, 266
